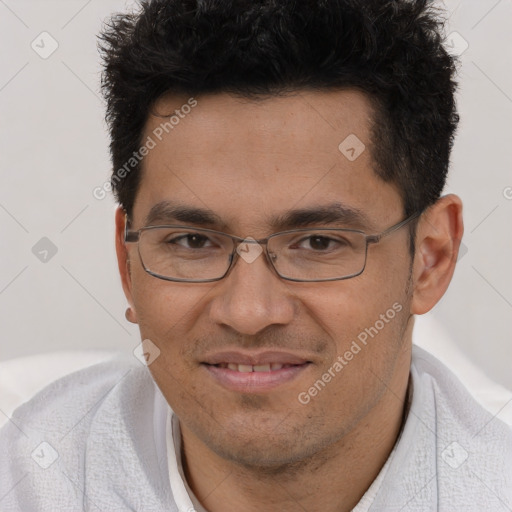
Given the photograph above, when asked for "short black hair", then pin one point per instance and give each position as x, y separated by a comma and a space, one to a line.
392, 50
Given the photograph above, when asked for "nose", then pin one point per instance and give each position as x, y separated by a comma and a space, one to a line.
252, 297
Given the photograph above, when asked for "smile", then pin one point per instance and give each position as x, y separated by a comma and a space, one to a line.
246, 368
255, 372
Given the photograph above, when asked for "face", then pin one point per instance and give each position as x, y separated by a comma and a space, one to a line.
249, 163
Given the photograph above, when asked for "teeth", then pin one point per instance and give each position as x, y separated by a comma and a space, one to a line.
246, 368
261, 368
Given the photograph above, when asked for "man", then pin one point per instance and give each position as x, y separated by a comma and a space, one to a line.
278, 167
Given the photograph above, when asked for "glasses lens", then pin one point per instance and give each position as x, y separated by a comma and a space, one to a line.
316, 255
185, 254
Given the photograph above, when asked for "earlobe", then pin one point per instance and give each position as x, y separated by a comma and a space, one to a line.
438, 238
123, 262
130, 316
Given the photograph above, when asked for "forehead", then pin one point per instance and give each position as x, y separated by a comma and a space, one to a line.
244, 159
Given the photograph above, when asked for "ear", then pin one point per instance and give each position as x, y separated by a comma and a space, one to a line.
123, 262
438, 236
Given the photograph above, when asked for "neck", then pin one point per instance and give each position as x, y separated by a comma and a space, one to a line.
333, 479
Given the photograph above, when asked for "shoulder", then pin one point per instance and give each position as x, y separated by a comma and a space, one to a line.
472, 447
44, 443
70, 397
452, 398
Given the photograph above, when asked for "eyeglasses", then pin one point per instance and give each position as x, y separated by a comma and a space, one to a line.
197, 255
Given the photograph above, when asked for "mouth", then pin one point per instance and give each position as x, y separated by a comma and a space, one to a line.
254, 373
247, 368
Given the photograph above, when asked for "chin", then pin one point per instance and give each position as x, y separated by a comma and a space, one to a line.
269, 444
261, 453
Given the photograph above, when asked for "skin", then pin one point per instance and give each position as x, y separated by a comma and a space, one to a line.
244, 161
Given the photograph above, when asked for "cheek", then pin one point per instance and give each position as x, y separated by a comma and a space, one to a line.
366, 318
168, 315
163, 306
369, 336
346, 308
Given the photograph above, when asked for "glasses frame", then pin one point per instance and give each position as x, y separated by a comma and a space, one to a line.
133, 236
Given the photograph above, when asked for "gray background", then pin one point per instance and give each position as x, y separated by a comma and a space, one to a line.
53, 153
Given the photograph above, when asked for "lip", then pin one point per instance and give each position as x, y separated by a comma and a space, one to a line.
256, 381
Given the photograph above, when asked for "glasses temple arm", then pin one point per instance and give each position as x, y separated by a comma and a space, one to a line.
130, 236
372, 239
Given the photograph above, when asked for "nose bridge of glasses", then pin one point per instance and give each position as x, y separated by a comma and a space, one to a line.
249, 249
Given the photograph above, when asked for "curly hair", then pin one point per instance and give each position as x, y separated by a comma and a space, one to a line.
392, 50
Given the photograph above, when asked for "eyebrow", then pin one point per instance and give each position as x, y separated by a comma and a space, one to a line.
330, 214
168, 211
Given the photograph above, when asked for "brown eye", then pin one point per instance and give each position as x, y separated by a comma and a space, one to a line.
190, 241
320, 243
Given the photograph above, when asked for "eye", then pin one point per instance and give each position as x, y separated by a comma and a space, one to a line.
321, 243
191, 241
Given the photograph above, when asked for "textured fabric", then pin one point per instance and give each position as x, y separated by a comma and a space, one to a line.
95, 440
100, 422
